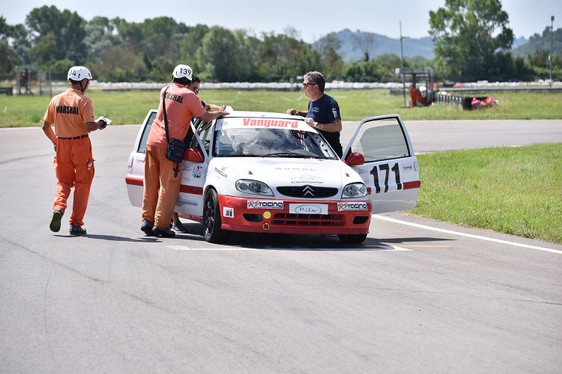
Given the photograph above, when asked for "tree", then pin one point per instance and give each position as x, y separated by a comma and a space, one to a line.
161, 38
45, 52
8, 60
333, 62
220, 55
124, 64
521, 70
8, 54
100, 36
540, 64
362, 71
4, 29
21, 42
387, 63
130, 34
190, 44
251, 46
467, 36
541, 42
282, 58
365, 42
62, 30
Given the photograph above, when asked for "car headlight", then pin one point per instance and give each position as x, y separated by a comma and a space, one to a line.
354, 190
253, 187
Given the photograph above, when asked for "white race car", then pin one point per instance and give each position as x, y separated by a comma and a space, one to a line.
272, 173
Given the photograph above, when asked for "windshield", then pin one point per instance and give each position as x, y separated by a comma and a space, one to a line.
270, 142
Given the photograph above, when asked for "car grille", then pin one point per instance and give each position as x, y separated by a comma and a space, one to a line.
311, 192
290, 219
311, 220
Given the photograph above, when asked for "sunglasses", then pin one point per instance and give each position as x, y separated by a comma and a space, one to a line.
308, 84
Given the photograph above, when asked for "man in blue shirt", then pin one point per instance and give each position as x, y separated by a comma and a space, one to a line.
323, 110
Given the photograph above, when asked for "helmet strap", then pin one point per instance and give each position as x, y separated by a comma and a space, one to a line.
83, 88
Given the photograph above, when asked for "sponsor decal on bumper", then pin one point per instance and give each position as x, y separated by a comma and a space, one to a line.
228, 212
265, 204
353, 206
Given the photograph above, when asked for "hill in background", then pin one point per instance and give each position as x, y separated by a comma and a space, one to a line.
538, 43
412, 47
382, 45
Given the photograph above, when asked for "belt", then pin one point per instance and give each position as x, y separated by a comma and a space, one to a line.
75, 137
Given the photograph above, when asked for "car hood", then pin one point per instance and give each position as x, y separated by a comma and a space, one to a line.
285, 172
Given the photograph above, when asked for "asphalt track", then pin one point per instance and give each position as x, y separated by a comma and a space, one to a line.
419, 296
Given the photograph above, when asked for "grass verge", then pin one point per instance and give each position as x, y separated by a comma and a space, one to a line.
515, 191
130, 107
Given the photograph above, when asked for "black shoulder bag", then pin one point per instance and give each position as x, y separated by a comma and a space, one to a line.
176, 148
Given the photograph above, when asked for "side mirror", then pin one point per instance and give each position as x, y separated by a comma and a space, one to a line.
193, 155
355, 159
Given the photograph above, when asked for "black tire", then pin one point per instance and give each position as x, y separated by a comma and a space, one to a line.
352, 239
212, 219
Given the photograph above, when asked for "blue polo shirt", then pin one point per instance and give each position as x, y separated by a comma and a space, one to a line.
326, 110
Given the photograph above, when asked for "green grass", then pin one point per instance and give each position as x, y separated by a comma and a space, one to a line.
130, 107
511, 190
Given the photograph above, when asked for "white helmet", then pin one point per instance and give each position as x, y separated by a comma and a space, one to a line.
182, 71
78, 73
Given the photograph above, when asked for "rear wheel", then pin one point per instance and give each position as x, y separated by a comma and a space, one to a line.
352, 239
212, 219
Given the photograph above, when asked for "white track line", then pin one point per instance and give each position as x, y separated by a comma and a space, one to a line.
383, 218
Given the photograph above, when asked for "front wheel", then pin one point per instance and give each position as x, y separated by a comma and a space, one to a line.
212, 219
352, 239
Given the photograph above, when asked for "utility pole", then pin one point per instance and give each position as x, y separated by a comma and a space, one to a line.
402, 64
551, 42
402, 48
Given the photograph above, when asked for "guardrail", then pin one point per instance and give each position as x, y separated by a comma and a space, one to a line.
450, 99
7, 90
466, 102
392, 87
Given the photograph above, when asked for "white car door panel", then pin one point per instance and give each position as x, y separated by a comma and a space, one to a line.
391, 169
135, 165
194, 174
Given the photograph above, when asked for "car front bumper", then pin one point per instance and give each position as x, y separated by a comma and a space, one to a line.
295, 216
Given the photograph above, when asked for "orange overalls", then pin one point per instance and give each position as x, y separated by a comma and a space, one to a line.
416, 97
161, 182
73, 162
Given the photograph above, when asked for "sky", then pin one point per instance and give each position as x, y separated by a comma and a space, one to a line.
312, 19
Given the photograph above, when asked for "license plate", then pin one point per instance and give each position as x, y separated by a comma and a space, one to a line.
308, 208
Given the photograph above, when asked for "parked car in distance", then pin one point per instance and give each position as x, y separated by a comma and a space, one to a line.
262, 172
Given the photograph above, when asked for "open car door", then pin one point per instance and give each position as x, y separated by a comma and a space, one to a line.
194, 173
390, 169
